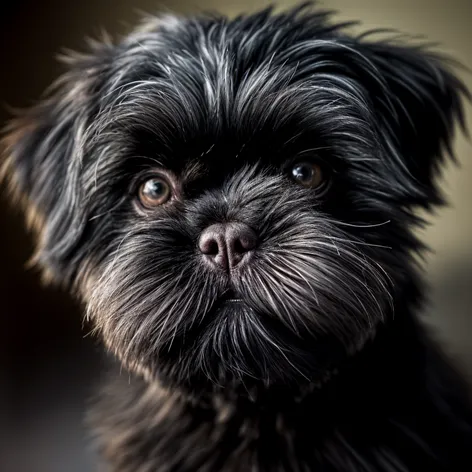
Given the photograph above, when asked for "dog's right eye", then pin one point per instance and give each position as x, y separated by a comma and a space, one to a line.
154, 191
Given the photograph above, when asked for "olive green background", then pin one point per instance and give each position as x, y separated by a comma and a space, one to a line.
47, 366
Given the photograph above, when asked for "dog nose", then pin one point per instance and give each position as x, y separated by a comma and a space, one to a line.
225, 245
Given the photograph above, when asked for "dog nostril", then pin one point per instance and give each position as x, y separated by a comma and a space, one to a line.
225, 245
239, 246
241, 239
209, 246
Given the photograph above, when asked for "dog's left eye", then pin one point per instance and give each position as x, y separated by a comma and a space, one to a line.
154, 192
308, 174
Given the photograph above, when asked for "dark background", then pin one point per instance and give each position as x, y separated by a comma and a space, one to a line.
47, 365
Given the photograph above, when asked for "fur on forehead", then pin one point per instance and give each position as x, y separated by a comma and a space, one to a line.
205, 80
208, 79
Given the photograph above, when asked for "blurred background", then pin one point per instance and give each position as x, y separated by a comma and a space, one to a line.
47, 365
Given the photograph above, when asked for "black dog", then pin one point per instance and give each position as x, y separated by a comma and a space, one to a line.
234, 202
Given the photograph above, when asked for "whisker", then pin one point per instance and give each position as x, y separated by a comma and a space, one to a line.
352, 225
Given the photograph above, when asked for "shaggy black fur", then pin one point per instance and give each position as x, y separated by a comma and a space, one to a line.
307, 355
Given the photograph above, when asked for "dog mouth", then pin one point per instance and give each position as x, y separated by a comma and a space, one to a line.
229, 299
232, 298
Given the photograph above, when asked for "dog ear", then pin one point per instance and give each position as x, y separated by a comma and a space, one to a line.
417, 107
43, 157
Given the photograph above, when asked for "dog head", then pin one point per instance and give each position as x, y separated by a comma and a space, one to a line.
234, 199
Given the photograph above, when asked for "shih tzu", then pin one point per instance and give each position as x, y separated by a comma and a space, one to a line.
234, 201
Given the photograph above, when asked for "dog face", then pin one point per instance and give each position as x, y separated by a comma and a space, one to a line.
233, 200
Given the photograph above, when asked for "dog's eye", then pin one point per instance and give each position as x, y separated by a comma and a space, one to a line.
154, 192
308, 174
